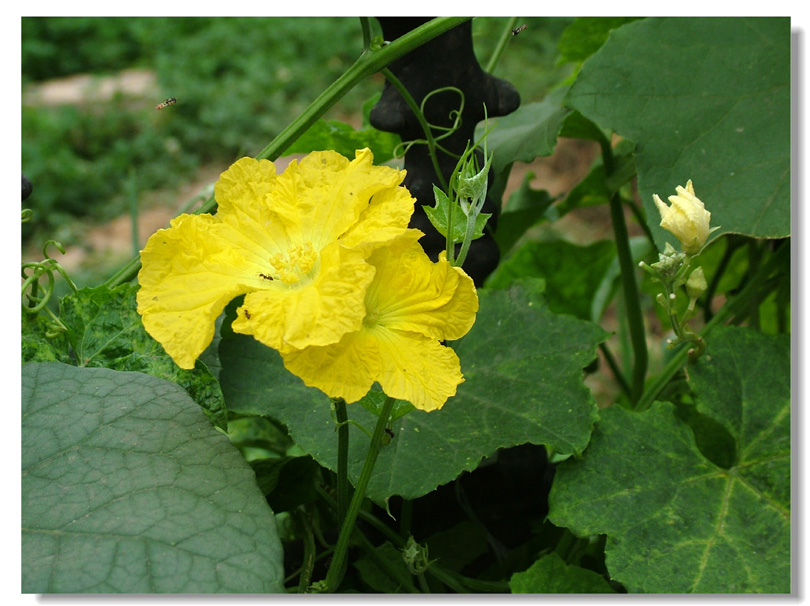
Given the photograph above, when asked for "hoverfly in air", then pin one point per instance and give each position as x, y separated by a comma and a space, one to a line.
166, 103
517, 30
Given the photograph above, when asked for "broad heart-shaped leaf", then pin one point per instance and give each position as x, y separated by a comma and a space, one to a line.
127, 488
706, 99
744, 384
675, 521
523, 383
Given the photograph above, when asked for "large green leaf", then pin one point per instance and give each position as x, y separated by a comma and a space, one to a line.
706, 99
127, 488
675, 521
523, 383
745, 385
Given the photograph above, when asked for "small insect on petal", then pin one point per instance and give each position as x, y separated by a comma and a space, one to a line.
517, 30
166, 103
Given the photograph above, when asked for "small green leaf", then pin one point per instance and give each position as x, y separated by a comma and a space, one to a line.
515, 336
126, 488
550, 574
675, 521
439, 216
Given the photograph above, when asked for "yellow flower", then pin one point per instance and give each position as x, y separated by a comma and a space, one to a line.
411, 305
687, 218
294, 244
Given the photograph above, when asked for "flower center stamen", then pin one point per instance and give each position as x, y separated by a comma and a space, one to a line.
290, 267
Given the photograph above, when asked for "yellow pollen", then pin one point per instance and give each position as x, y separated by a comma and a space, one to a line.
297, 262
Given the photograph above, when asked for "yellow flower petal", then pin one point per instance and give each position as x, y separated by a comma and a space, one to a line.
242, 194
318, 313
349, 188
418, 369
345, 370
407, 366
414, 294
278, 239
410, 306
386, 216
687, 219
189, 274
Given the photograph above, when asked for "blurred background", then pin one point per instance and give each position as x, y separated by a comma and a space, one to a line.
108, 169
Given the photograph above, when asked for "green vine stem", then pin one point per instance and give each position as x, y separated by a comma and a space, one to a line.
342, 418
635, 319
455, 581
369, 63
336, 568
499, 48
733, 306
303, 526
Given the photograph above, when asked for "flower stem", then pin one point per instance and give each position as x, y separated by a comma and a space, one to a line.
369, 62
499, 48
343, 458
301, 522
732, 307
635, 319
336, 569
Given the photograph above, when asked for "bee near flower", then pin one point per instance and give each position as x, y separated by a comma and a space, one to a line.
166, 103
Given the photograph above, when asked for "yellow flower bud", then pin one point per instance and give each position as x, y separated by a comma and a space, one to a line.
687, 218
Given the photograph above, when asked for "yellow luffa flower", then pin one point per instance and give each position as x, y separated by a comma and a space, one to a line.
687, 219
411, 305
294, 244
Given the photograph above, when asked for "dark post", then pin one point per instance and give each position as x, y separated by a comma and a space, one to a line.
447, 60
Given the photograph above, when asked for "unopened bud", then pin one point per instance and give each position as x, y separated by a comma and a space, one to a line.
696, 284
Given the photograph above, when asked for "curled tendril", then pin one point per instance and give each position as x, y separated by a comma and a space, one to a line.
27, 215
35, 296
402, 148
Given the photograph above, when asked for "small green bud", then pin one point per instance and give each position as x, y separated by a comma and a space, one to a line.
696, 284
